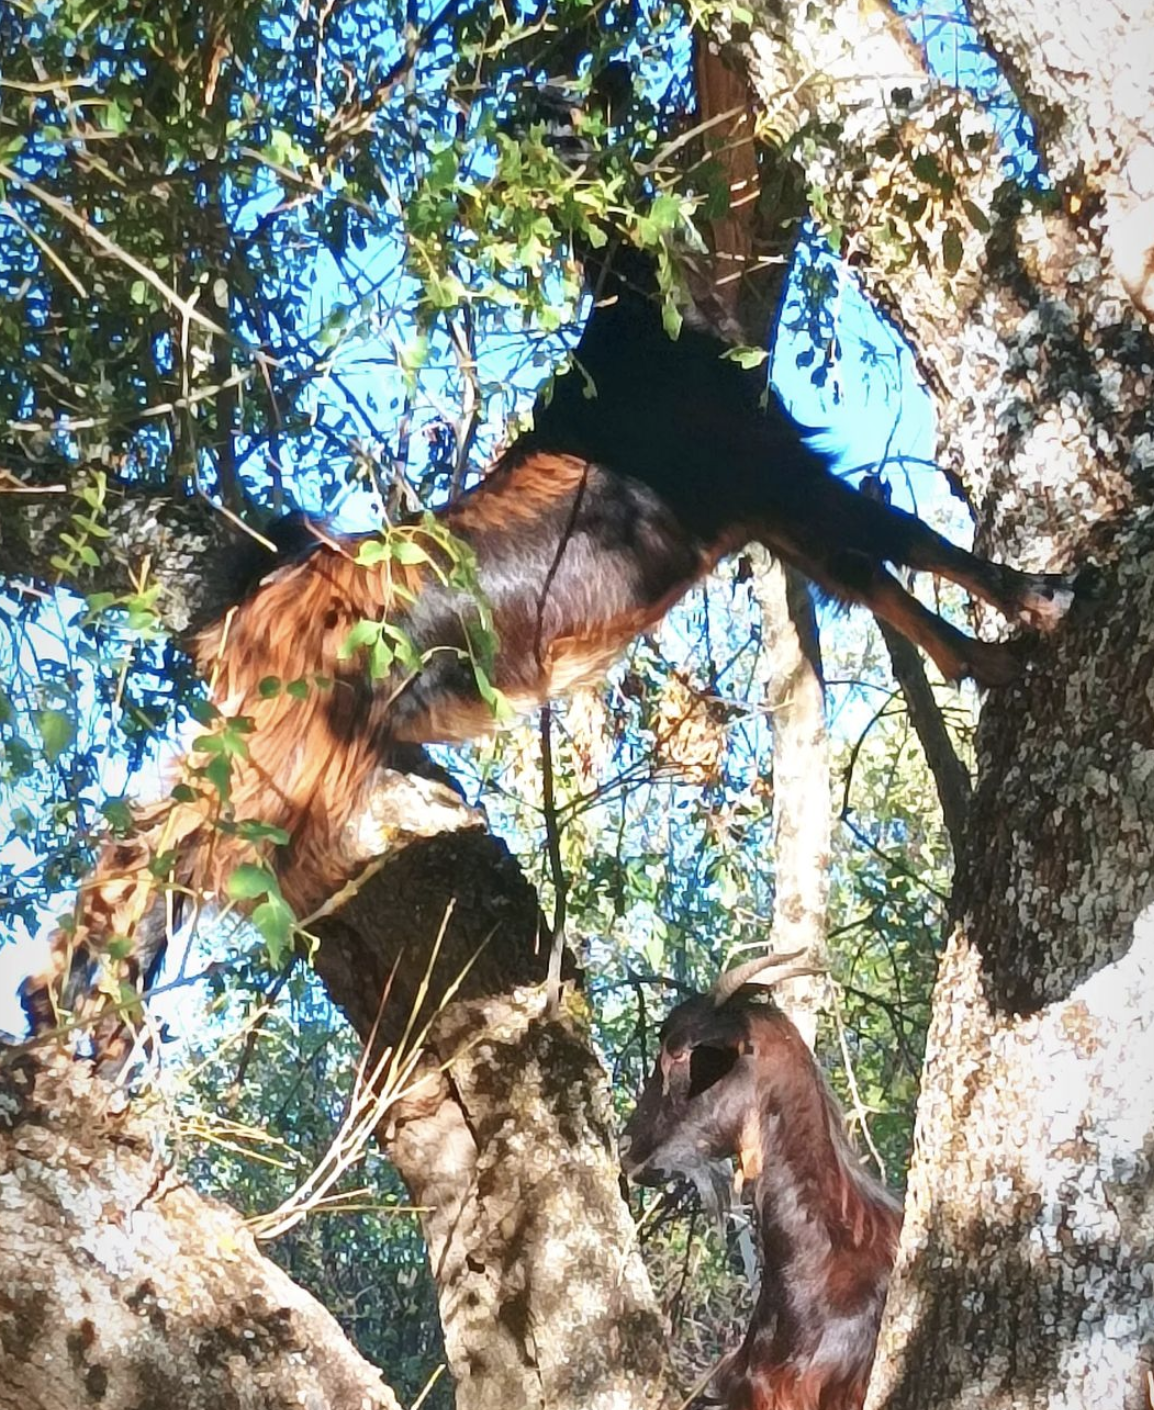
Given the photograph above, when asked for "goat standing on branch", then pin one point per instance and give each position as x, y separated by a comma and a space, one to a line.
735, 1078
652, 459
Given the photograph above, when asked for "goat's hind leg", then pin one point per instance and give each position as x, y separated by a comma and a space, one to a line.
864, 523
954, 653
1037, 600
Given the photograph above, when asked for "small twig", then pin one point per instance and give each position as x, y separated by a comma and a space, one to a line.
270, 998
556, 866
436, 1375
6, 208
550, 803
187, 307
859, 1108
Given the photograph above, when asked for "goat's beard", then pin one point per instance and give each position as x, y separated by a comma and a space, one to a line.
713, 1180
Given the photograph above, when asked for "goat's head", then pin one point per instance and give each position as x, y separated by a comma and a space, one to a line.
705, 1098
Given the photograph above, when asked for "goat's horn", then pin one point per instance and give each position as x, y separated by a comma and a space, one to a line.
731, 980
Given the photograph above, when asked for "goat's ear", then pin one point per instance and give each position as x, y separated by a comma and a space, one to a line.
708, 1065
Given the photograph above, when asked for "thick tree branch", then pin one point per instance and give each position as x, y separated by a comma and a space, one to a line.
120, 1287
507, 1142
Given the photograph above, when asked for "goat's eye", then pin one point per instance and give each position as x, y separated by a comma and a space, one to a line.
708, 1065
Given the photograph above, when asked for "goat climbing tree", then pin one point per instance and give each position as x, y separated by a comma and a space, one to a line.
1023, 1279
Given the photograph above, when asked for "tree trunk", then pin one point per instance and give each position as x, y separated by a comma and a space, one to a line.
120, 1287
1084, 76
795, 698
544, 1299
1025, 1271
506, 1142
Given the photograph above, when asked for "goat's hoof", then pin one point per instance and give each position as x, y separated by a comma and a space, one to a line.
992, 663
1043, 600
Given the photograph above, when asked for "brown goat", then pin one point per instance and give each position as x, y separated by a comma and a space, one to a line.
586, 532
735, 1078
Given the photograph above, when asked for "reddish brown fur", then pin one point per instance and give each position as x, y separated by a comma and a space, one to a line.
730, 1075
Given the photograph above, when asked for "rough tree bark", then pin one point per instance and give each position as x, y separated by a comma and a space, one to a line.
507, 1141
122, 1288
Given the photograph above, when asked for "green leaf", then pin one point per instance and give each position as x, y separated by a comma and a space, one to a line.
275, 921
381, 658
21, 762
98, 603
746, 357
57, 732
671, 318
248, 881
371, 553
407, 550
253, 831
442, 169
665, 212
496, 700
403, 647
118, 815
363, 633
219, 773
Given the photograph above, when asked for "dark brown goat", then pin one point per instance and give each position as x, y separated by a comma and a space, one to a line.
735, 1078
650, 461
